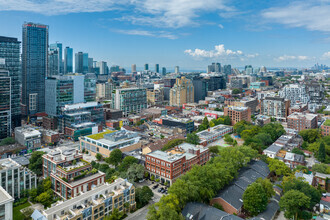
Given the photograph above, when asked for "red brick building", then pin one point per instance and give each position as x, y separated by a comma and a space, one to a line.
302, 121
237, 114
325, 127
168, 166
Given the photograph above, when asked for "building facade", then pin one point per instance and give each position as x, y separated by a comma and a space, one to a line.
15, 178
68, 60
34, 67
129, 100
325, 127
168, 166
237, 114
6, 205
182, 92
275, 106
5, 104
10, 52
155, 96
302, 121
295, 93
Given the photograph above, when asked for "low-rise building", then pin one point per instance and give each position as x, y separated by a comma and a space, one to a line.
28, 137
94, 204
183, 123
168, 166
237, 114
272, 150
6, 205
298, 108
293, 160
214, 133
262, 120
69, 173
15, 178
325, 127
252, 103
322, 180
159, 144
302, 121
50, 136
107, 141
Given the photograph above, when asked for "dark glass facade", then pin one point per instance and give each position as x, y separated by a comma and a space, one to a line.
10, 51
5, 110
34, 67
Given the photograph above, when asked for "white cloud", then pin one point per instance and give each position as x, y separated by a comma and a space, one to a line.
220, 26
326, 55
158, 34
291, 57
311, 14
219, 51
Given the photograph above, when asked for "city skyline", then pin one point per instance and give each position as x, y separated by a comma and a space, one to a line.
264, 34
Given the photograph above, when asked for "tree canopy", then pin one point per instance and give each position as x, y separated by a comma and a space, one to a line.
321, 168
115, 157
192, 138
255, 199
310, 135
142, 196
36, 162
294, 202
279, 167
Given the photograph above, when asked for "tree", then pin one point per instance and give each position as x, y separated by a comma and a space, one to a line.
227, 120
109, 173
45, 198
126, 163
297, 151
7, 141
36, 162
228, 139
33, 194
142, 196
172, 143
236, 91
115, 215
310, 135
193, 138
212, 124
293, 202
205, 122
267, 186
279, 167
321, 168
321, 154
115, 157
255, 199
214, 150
98, 156
135, 172
264, 139
103, 167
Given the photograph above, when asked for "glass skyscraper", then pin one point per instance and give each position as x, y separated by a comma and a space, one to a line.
34, 67
68, 60
5, 110
79, 62
58, 47
10, 52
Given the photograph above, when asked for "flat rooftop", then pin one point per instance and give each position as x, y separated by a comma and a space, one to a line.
5, 197
80, 105
297, 115
8, 163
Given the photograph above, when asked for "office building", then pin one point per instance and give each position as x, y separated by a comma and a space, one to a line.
104, 90
58, 46
79, 59
182, 92
170, 165
157, 68
163, 71
275, 107
133, 68
129, 100
252, 103
5, 106
185, 124
146, 67
69, 173
15, 178
268, 80
177, 70
10, 61
155, 96
6, 205
227, 71
302, 121
28, 137
34, 67
295, 93
90, 65
85, 63
215, 82
237, 114
200, 88
68, 60
107, 141
248, 70
59, 92
102, 65
78, 87
90, 87
53, 63
93, 205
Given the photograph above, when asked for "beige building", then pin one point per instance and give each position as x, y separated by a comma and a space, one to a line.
182, 92
104, 90
155, 96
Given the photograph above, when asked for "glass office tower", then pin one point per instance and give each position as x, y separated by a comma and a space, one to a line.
10, 52
68, 60
34, 67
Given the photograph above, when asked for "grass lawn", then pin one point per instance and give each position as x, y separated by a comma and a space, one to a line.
17, 215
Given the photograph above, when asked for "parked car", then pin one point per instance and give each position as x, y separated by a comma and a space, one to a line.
141, 181
155, 186
160, 190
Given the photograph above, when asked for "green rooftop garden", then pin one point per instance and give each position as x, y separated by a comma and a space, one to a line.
327, 122
99, 135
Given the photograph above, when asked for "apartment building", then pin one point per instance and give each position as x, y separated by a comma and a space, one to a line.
295, 93
237, 114
129, 100
325, 127
168, 166
69, 173
15, 178
252, 103
275, 107
298, 108
28, 137
155, 96
302, 121
6, 205
214, 133
184, 123
107, 141
182, 92
94, 204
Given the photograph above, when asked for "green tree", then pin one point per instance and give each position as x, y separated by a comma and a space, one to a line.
321, 168
115, 157
205, 122
214, 150
45, 198
7, 141
294, 202
236, 91
297, 151
227, 120
126, 163
135, 172
109, 173
228, 139
255, 199
104, 167
33, 194
98, 156
310, 135
142, 196
192, 138
36, 162
115, 215
321, 154
47, 184
279, 167
172, 143
212, 124
267, 186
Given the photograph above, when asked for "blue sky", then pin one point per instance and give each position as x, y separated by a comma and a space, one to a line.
187, 33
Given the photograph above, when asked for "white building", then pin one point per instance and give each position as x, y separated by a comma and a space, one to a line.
28, 137
6, 205
295, 93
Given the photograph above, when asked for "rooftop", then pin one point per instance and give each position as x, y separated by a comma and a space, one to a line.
298, 115
240, 109
28, 131
99, 135
8, 163
80, 105
5, 197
